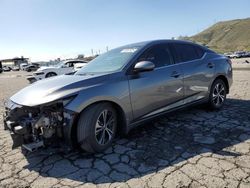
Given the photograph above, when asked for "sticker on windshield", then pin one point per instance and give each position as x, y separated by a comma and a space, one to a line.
129, 50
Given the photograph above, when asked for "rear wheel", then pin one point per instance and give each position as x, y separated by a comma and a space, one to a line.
217, 95
50, 74
96, 127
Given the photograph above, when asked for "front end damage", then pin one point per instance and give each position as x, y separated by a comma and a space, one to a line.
35, 127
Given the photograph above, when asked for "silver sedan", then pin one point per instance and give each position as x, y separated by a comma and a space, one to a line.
115, 92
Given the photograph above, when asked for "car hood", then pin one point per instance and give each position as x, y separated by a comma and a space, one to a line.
55, 88
45, 67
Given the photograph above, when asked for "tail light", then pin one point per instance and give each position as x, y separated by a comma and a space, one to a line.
229, 61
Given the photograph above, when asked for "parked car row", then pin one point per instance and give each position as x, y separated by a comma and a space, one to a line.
238, 54
39, 73
25, 67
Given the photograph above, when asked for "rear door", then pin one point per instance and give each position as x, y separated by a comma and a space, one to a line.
197, 70
158, 90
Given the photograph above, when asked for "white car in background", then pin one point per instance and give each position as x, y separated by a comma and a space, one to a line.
64, 67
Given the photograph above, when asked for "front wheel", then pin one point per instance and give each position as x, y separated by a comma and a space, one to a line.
50, 74
217, 95
96, 127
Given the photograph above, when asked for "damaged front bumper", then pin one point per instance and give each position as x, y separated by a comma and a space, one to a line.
35, 127
16, 132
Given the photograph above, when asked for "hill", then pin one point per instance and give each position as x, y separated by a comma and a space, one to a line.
226, 36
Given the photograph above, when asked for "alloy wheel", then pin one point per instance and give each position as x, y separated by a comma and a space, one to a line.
104, 128
218, 94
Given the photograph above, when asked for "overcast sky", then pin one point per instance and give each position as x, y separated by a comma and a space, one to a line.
47, 29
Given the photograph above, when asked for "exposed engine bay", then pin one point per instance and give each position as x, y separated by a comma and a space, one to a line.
34, 127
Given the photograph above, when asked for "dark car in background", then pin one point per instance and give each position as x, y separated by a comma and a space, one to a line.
32, 67
115, 92
247, 54
1, 67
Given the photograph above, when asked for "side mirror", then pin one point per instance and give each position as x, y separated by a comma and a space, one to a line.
144, 66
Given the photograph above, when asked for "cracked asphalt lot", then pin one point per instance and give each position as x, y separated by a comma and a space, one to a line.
188, 148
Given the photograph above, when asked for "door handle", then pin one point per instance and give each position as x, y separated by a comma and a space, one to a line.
210, 65
175, 74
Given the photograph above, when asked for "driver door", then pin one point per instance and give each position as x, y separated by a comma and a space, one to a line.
158, 90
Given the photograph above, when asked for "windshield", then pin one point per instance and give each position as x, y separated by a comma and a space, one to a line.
111, 61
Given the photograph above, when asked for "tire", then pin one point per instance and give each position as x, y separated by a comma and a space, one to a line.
217, 96
90, 132
50, 74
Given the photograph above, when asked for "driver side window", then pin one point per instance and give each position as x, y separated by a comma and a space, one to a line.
160, 55
69, 64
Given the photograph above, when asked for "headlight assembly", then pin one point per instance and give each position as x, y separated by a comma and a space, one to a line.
38, 73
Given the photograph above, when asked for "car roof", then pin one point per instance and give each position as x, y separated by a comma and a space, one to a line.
66, 61
160, 41
146, 44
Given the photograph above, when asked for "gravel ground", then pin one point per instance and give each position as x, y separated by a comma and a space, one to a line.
189, 148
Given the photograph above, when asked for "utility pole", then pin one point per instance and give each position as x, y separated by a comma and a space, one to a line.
107, 48
92, 52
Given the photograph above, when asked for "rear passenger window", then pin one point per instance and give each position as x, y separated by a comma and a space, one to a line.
200, 52
187, 52
160, 55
